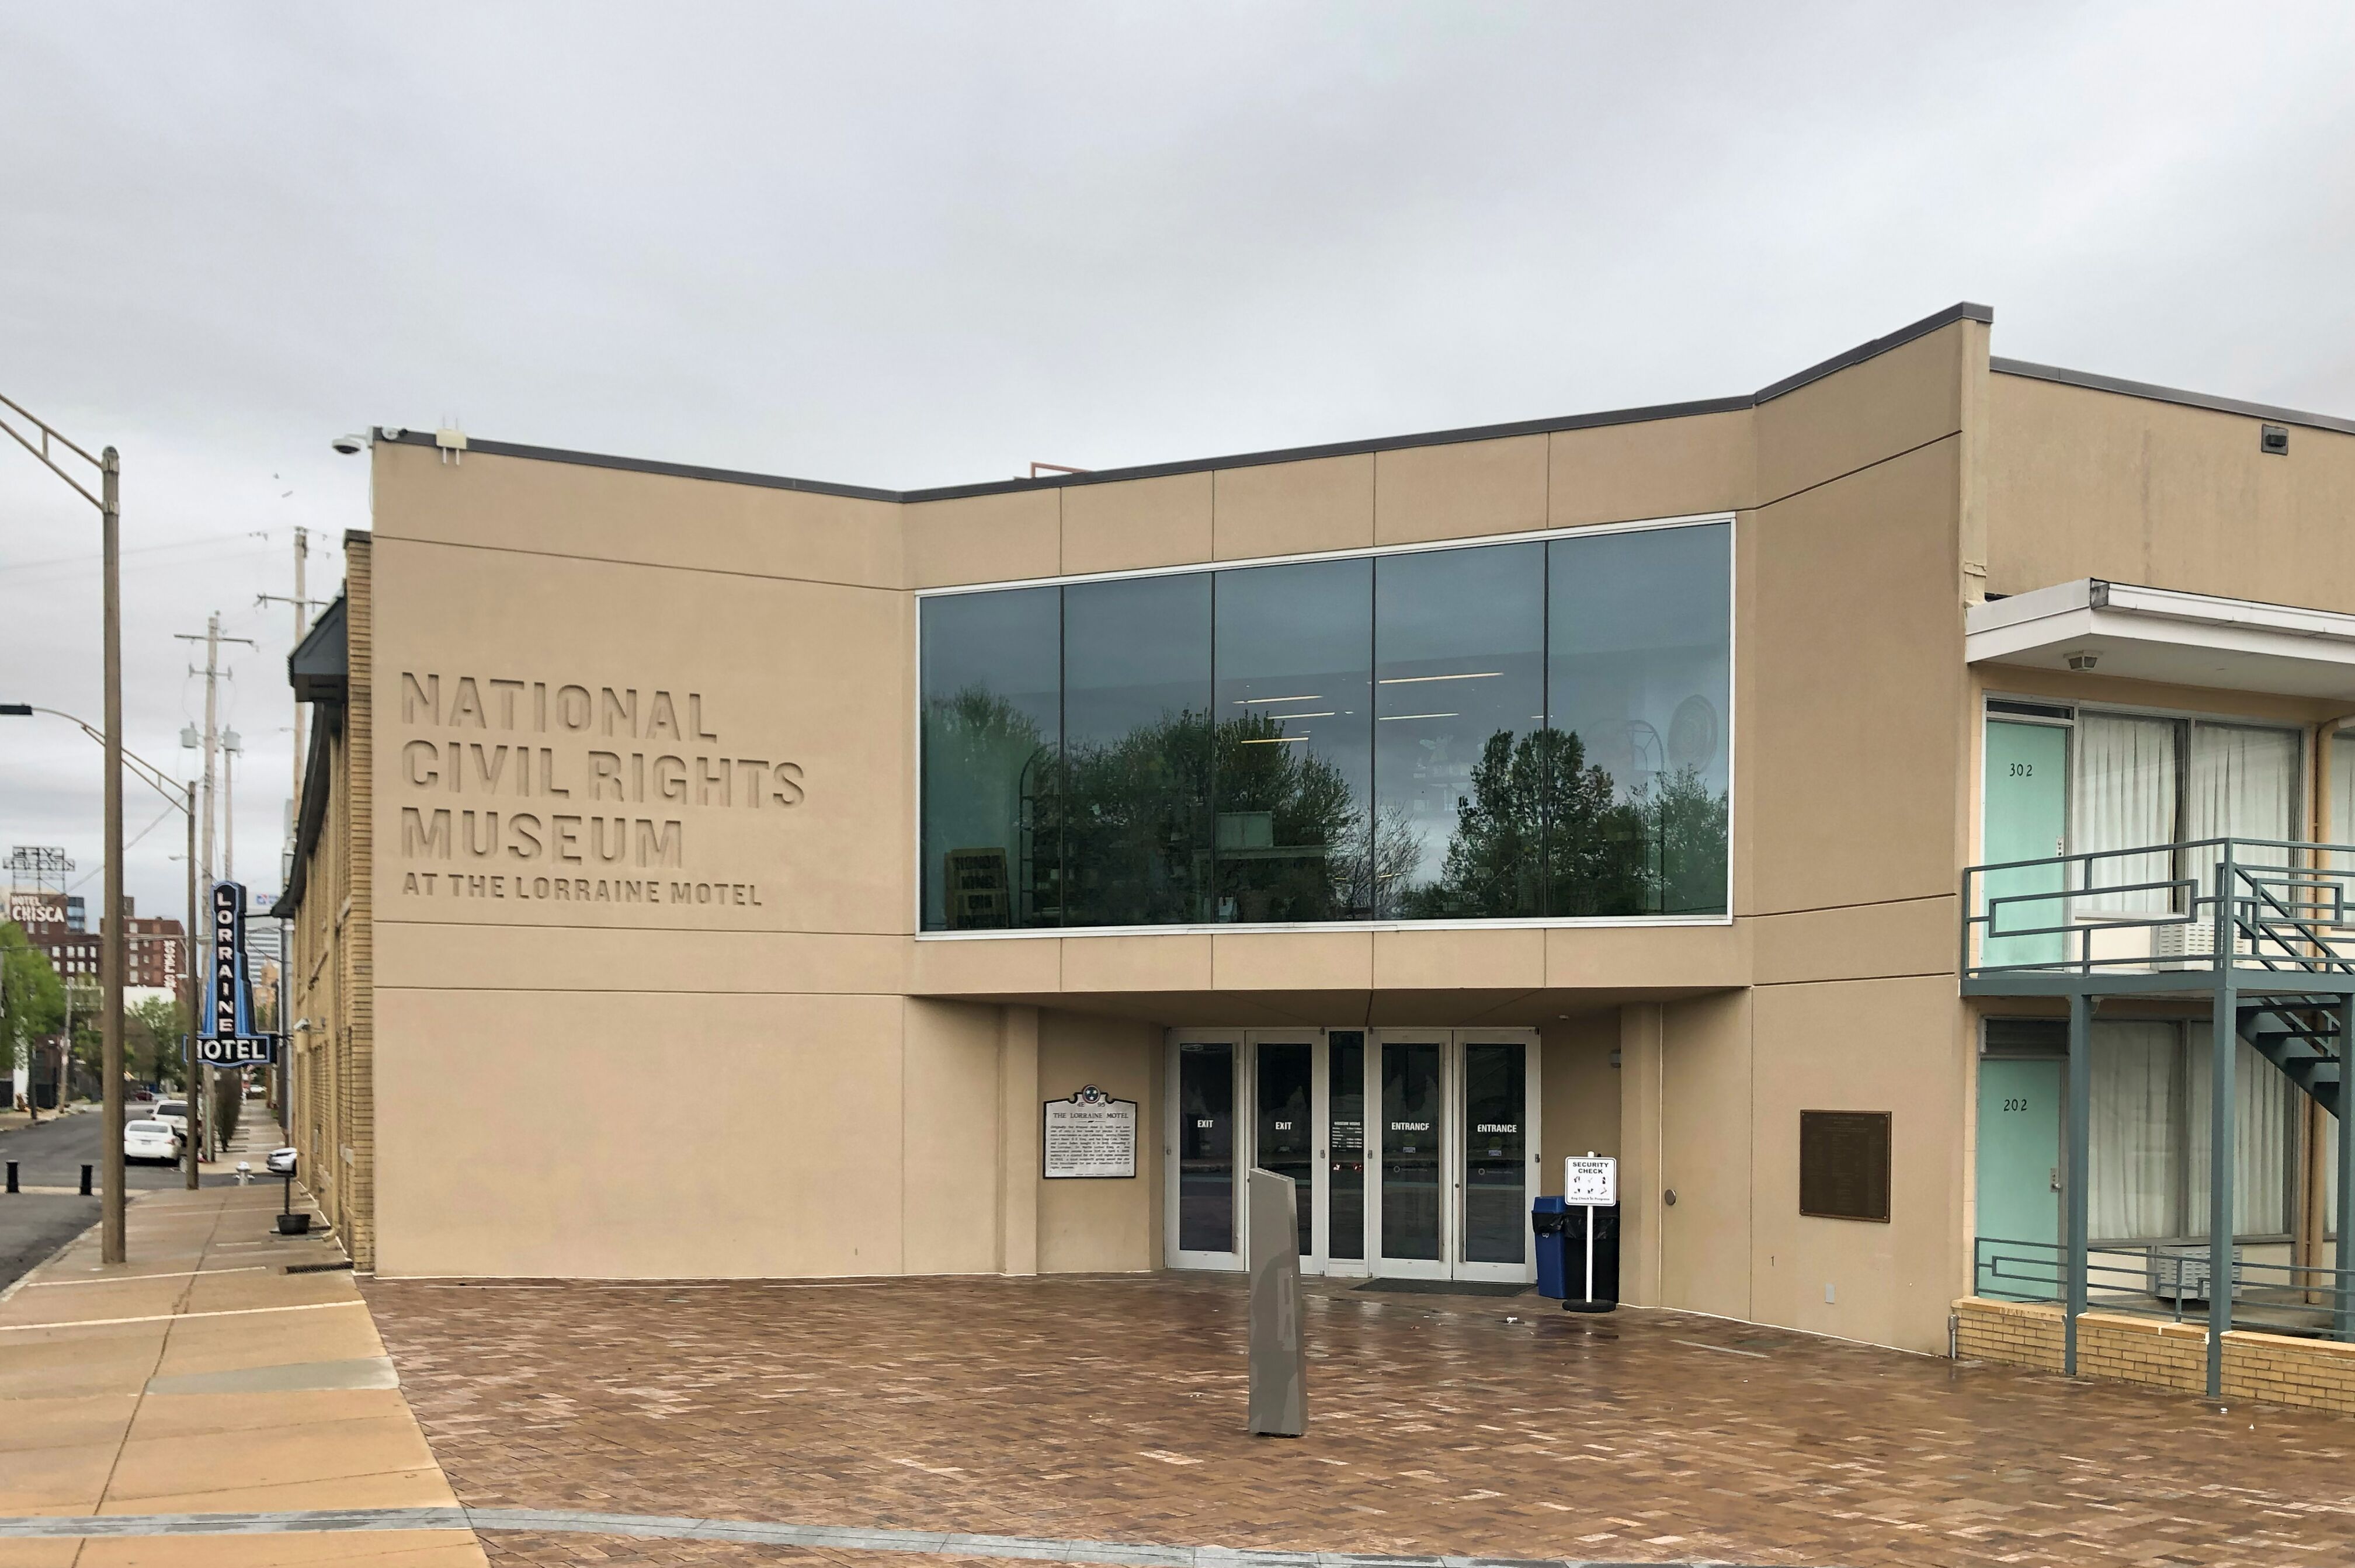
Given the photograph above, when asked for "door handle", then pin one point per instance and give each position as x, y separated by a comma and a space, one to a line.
2056, 1179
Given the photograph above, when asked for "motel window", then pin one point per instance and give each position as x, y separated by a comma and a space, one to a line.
2137, 782
2149, 1120
1534, 729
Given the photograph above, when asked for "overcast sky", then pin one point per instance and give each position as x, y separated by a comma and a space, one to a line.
911, 245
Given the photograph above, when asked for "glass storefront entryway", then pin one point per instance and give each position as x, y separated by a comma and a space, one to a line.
1414, 1151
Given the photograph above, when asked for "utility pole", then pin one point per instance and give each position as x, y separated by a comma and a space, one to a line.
230, 746
188, 969
301, 606
212, 639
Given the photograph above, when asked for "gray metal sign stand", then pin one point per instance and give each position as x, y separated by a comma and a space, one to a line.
1279, 1355
1592, 1182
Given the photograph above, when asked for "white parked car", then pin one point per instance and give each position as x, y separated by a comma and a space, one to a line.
175, 1112
151, 1139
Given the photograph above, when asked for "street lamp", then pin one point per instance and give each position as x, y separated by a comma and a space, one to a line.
112, 949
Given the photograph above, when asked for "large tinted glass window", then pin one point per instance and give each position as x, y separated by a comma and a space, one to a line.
1137, 751
1459, 702
1295, 742
991, 697
1638, 688
1488, 731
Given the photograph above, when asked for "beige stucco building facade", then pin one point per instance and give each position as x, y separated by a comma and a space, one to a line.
610, 956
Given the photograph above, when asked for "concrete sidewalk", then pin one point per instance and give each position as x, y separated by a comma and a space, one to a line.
201, 1377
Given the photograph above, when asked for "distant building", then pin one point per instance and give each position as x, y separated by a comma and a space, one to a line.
155, 948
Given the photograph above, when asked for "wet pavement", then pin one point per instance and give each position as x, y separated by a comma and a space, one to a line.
1111, 1409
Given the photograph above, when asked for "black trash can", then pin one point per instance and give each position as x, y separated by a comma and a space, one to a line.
1604, 1295
1547, 1218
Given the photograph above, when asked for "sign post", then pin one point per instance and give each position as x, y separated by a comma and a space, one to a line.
1592, 1182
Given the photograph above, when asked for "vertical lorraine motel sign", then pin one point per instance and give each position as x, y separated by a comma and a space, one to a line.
226, 1037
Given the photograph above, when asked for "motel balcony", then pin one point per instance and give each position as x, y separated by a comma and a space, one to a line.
2247, 943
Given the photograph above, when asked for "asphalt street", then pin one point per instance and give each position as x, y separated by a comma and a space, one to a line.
35, 1224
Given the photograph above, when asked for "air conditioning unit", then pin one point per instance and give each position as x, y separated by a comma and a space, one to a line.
2180, 1275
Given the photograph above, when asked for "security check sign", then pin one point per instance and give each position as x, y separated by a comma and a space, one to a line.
1592, 1180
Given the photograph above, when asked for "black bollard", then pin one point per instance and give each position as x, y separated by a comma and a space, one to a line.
12, 1176
85, 1181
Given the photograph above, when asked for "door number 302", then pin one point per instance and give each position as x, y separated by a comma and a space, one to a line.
2023, 770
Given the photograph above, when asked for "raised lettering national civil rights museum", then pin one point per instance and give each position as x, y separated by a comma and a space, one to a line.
1814, 797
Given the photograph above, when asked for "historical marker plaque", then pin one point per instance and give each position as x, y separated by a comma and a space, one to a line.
1844, 1165
1089, 1136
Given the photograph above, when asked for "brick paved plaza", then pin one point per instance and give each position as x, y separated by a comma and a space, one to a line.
1111, 1409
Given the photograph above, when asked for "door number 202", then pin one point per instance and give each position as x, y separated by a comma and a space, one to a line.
2015, 1103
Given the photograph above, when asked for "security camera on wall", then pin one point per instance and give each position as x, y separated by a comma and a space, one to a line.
348, 445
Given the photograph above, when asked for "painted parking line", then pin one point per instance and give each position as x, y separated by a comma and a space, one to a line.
173, 1317
840, 1538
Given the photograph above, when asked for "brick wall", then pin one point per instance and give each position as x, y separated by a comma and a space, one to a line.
2271, 1368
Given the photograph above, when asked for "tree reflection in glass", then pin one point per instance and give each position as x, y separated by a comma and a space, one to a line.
1505, 731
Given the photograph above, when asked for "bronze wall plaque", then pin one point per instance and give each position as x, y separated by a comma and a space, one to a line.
1844, 1165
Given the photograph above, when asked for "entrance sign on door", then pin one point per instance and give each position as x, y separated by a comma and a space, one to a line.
1591, 1180
1089, 1136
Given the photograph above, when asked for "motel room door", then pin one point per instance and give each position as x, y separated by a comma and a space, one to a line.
2024, 816
2019, 1158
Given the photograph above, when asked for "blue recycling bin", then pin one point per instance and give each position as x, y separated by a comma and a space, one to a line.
1550, 1224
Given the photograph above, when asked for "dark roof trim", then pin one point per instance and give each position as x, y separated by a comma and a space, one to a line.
1856, 356
320, 663
314, 814
645, 466
2169, 395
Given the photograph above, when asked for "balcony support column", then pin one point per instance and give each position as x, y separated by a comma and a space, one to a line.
2343, 1279
2223, 1103
2076, 1151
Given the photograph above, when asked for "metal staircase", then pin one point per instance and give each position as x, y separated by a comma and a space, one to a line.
2300, 1036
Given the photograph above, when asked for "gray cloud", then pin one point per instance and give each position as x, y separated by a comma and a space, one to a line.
915, 245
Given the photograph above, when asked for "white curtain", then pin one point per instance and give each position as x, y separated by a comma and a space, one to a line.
2331, 1174
2131, 1155
2243, 784
2342, 794
2260, 1132
2124, 789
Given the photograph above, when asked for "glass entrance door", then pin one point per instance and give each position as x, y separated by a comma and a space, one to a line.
1284, 1131
1412, 1188
1206, 1229
1457, 1147
1411, 1152
1497, 1162
1345, 1151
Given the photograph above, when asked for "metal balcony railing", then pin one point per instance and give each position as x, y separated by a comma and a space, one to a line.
2146, 1279
2202, 906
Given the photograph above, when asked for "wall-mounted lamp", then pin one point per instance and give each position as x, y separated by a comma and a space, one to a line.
2084, 659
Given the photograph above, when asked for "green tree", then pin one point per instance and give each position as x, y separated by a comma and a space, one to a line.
150, 1041
1545, 832
985, 767
32, 1000
1687, 831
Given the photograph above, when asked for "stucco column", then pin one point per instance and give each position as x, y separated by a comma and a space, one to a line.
1019, 1153
1642, 1066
